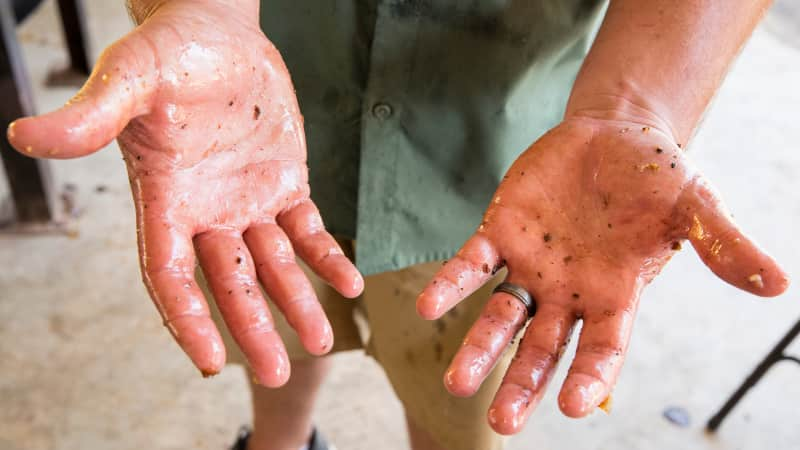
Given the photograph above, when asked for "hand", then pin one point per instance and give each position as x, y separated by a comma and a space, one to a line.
583, 220
212, 136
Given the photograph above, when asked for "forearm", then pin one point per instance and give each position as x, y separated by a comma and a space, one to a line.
140, 10
661, 61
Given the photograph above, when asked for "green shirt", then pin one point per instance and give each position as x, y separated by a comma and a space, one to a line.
414, 109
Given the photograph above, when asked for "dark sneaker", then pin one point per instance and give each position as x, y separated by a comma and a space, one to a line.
317, 442
241, 439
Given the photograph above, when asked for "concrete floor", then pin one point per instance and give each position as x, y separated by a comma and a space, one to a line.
86, 364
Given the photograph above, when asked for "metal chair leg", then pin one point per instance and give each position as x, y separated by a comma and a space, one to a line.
30, 180
774, 356
74, 22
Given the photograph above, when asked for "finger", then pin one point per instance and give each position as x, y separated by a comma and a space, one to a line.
502, 317
231, 276
167, 262
319, 249
598, 360
119, 89
468, 270
531, 369
728, 252
287, 286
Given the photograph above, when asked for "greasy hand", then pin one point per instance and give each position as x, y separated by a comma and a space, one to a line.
210, 130
583, 220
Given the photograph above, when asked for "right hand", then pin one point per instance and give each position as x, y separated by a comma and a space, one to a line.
206, 117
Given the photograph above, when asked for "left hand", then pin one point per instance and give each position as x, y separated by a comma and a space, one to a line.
583, 220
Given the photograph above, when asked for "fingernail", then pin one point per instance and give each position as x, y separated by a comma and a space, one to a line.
10, 132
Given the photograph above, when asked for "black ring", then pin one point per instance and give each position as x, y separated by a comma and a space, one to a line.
520, 294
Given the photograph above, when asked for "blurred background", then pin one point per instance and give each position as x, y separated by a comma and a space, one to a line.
86, 364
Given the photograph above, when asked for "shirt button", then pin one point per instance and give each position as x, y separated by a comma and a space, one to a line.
382, 111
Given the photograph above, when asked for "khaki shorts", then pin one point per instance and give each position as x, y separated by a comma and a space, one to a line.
413, 352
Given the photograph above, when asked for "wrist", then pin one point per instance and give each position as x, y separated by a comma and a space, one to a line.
141, 10
626, 103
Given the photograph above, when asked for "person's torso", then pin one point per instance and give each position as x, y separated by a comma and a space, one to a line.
414, 109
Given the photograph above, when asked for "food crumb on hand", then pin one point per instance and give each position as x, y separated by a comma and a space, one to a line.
652, 166
756, 280
605, 405
676, 245
547, 237
645, 129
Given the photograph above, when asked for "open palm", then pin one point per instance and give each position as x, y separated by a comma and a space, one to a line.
583, 220
206, 116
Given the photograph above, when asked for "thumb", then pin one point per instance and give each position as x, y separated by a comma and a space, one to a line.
120, 88
722, 246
